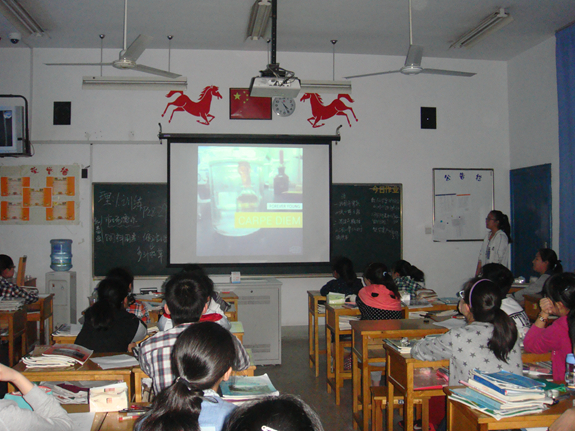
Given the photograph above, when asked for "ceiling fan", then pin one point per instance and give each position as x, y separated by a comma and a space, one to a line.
412, 64
128, 56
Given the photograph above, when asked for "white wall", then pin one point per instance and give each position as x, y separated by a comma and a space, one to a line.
533, 116
385, 145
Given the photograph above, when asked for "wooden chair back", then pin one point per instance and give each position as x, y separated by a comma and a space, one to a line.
21, 271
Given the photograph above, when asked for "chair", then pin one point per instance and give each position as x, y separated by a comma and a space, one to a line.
379, 403
40, 312
15, 323
21, 277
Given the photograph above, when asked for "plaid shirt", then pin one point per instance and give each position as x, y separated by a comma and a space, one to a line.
140, 311
406, 283
10, 290
154, 356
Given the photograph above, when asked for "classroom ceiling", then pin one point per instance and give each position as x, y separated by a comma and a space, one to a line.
377, 27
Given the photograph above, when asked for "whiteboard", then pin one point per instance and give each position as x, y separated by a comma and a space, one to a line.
462, 198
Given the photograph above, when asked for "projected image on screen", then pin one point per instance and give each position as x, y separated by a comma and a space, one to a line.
250, 200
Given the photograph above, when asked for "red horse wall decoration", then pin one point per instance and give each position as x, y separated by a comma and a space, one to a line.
201, 108
321, 112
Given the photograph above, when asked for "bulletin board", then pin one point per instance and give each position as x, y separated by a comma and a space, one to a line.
462, 198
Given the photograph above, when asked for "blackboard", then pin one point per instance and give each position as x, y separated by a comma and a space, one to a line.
367, 223
130, 229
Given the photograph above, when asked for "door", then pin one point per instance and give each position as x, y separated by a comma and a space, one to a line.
530, 216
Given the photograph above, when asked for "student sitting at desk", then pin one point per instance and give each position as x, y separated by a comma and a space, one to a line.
186, 297
407, 277
202, 358
9, 289
503, 278
546, 264
108, 327
216, 305
47, 414
379, 299
559, 301
346, 280
137, 308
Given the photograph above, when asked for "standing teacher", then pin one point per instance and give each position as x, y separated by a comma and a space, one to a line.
495, 248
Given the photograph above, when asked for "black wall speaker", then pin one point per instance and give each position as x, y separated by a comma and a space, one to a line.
62, 113
428, 118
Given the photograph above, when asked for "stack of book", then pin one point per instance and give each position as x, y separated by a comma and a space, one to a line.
345, 322
502, 394
11, 304
58, 355
241, 389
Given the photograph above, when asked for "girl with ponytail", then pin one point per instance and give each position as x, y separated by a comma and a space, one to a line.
202, 358
560, 301
407, 277
495, 247
487, 342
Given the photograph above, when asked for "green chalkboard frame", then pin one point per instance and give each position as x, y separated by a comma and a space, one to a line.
151, 198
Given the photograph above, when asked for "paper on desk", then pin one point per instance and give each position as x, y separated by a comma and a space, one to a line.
236, 327
69, 329
82, 421
116, 361
450, 323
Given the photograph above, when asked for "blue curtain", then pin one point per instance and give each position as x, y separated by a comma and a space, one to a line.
565, 57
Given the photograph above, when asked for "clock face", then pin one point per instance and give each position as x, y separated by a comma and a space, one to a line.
283, 106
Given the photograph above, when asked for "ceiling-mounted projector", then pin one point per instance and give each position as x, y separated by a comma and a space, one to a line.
271, 86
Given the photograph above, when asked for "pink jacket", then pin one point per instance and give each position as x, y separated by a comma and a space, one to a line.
379, 296
554, 338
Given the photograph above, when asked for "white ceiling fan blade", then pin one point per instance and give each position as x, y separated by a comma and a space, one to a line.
446, 72
414, 55
371, 74
78, 64
137, 47
154, 71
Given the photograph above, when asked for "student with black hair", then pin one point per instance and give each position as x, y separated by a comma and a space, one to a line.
379, 299
546, 264
137, 308
9, 289
495, 247
503, 278
281, 413
186, 296
346, 280
487, 342
560, 301
108, 327
202, 358
407, 277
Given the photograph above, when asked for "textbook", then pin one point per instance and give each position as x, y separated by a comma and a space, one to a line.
498, 396
247, 388
58, 355
449, 301
402, 345
504, 381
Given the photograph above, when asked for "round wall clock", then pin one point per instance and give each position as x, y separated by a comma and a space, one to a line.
283, 106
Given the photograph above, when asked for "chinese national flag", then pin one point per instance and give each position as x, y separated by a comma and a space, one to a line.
244, 107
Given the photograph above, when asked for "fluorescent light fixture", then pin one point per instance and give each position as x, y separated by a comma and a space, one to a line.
131, 83
332, 87
259, 19
20, 18
489, 25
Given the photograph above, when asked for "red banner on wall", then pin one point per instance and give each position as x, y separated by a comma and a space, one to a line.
244, 107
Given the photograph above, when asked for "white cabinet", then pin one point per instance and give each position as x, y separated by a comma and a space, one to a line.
259, 310
63, 285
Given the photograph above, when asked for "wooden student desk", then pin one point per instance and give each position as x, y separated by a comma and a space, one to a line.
335, 371
463, 418
435, 306
87, 371
531, 306
13, 328
368, 347
313, 314
103, 421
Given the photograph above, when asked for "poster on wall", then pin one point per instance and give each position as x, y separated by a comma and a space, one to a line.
39, 194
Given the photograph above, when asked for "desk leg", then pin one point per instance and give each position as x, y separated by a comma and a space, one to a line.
425, 414
310, 331
365, 385
338, 367
316, 340
329, 365
408, 411
355, 388
390, 391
